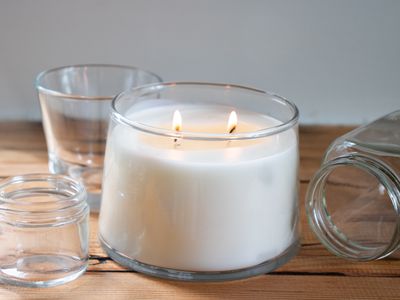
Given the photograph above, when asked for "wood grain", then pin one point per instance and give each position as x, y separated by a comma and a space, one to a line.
313, 274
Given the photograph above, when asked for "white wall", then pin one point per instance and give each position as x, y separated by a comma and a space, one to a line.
338, 60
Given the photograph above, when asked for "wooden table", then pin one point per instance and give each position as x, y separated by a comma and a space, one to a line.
313, 274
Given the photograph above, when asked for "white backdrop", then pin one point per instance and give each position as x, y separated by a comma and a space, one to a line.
339, 61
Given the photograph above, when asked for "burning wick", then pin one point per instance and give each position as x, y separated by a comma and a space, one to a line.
232, 122
177, 123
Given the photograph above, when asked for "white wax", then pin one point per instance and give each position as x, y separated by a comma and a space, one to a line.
201, 205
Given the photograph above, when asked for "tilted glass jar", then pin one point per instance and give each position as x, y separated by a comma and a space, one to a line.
353, 201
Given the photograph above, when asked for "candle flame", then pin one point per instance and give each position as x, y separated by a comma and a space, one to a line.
177, 121
232, 122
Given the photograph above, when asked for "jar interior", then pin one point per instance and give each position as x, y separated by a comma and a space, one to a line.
356, 213
35, 195
38, 199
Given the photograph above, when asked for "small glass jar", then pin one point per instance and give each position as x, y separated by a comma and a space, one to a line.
210, 195
43, 230
353, 201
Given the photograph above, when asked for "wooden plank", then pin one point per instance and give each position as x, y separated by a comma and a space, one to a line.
22, 148
314, 140
313, 274
313, 258
22, 136
132, 285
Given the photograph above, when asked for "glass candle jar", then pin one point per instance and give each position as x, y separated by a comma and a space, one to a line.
43, 230
200, 181
353, 201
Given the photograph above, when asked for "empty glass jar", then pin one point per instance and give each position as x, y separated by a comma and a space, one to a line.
353, 201
75, 102
43, 230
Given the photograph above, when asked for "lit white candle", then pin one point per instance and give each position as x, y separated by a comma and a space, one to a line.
199, 205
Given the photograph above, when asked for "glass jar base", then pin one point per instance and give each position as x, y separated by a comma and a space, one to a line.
42, 271
165, 273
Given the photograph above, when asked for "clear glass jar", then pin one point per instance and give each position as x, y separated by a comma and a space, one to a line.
75, 102
353, 201
205, 199
43, 230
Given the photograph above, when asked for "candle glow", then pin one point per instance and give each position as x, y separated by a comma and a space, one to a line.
177, 121
232, 122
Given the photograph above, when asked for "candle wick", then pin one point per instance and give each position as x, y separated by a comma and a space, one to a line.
176, 125
176, 142
231, 131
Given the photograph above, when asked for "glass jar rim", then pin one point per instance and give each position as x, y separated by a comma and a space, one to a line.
79, 192
40, 87
156, 87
